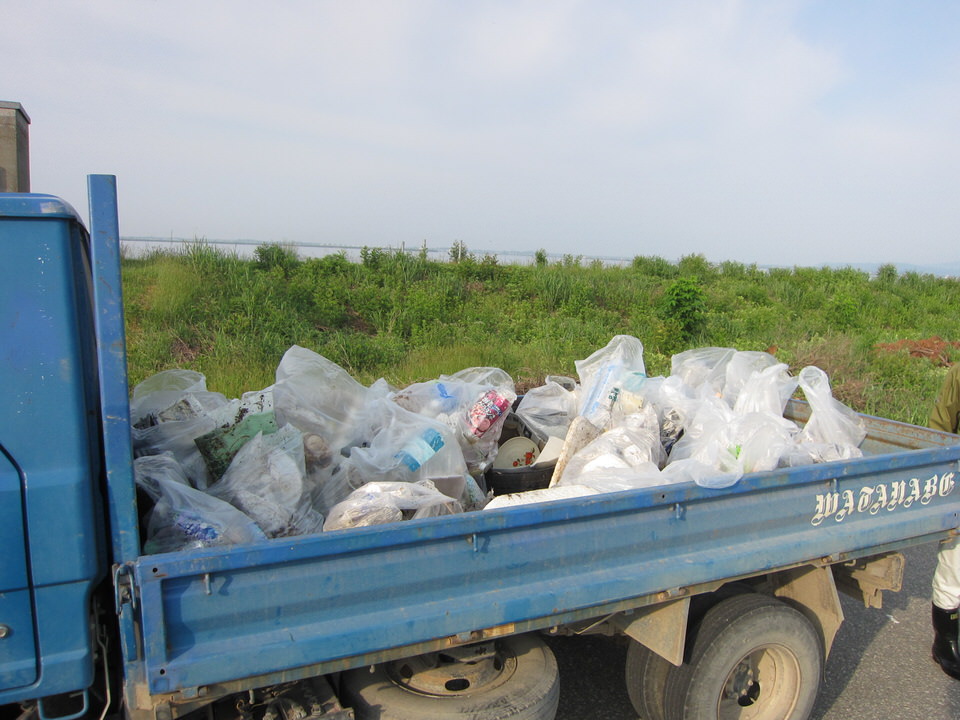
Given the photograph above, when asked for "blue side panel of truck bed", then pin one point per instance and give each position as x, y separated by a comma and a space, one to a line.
345, 597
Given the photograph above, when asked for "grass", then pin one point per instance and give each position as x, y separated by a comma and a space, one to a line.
406, 318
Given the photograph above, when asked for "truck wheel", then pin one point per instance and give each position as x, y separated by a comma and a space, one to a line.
753, 657
646, 679
514, 677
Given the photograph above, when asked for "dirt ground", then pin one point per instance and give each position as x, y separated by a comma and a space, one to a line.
935, 349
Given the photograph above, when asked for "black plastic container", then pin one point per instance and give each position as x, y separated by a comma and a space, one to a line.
510, 480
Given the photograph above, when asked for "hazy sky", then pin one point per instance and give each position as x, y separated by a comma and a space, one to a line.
759, 131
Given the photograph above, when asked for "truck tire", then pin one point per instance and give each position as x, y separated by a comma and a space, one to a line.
753, 657
646, 680
524, 686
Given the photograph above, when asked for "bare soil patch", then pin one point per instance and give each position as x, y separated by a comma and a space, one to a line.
935, 349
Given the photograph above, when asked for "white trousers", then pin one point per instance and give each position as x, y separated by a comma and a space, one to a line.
946, 578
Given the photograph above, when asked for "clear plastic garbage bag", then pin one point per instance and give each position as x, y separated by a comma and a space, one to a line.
548, 410
634, 443
733, 444
151, 471
165, 389
266, 480
603, 374
474, 403
614, 479
703, 368
403, 446
741, 367
183, 517
178, 437
765, 391
834, 431
319, 398
379, 503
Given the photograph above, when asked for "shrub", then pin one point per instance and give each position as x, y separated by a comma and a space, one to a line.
684, 304
267, 257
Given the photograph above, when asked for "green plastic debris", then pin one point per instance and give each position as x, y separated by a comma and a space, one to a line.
219, 446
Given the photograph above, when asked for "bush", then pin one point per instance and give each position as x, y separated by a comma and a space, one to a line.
684, 303
267, 257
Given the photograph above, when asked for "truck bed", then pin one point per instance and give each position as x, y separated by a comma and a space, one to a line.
301, 606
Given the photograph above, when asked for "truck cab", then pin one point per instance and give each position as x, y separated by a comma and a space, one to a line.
51, 504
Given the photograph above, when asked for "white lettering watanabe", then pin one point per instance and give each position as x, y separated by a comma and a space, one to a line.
888, 496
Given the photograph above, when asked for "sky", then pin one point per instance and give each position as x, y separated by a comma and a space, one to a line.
756, 131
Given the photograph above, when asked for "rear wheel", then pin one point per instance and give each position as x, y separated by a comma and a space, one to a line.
753, 658
646, 678
512, 678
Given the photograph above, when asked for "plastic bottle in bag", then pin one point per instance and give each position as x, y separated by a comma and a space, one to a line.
485, 412
420, 448
602, 376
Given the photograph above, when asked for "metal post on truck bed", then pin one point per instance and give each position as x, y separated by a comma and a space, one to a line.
112, 365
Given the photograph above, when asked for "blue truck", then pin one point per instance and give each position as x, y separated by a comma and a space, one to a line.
729, 597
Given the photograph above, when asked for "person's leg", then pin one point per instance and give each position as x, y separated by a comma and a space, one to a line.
946, 601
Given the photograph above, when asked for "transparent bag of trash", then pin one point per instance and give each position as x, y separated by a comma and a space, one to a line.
151, 471
183, 517
378, 503
833, 431
691, 470
266, 481
616, 479
162, 391
673, 401
603, 374
830, 420
548, 410
703, 369
403, 446
634, 443
322, 400
178, 436
317, 396
741, 368
765, 391
733, 444
473, 402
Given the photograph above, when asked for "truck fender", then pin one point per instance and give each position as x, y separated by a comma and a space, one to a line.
661, 627
812, 590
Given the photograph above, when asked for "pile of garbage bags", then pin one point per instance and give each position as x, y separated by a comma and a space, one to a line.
318, 451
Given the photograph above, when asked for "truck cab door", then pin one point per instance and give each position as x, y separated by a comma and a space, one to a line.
18, 647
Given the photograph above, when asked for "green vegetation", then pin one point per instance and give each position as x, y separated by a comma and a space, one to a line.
407, 318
